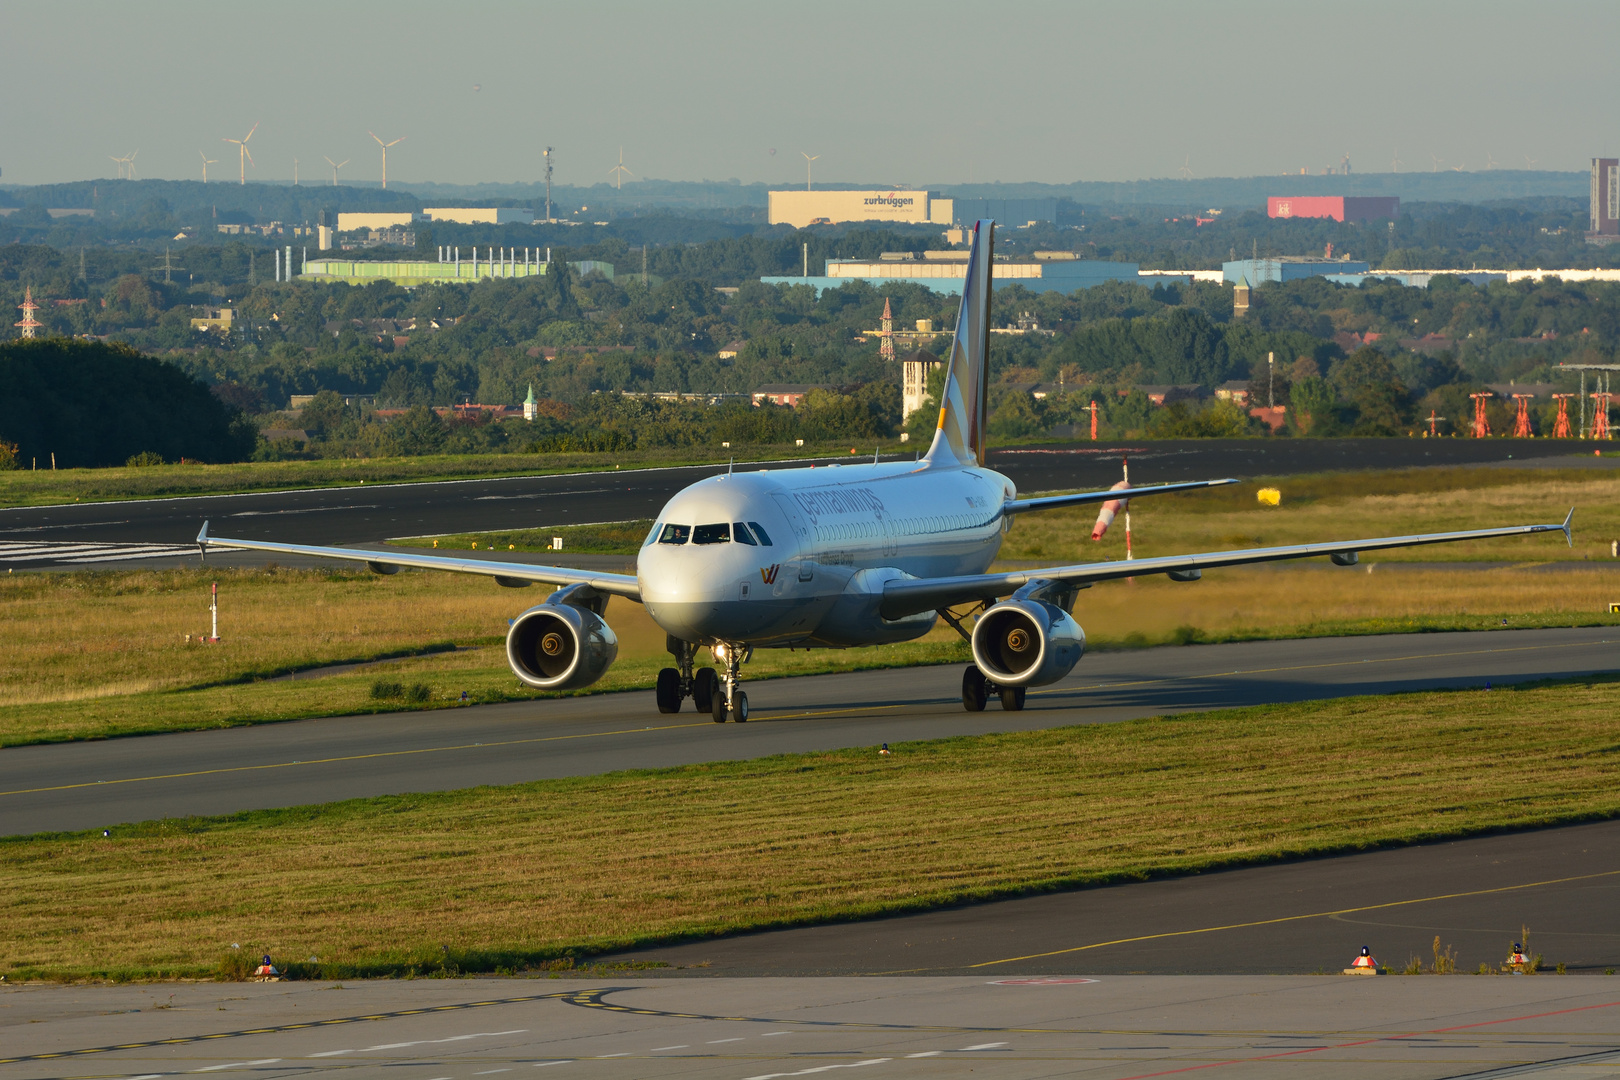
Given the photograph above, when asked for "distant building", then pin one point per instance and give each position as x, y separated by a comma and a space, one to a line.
914, 371
945, 272
730, 351
530, 406
479, 263
353, 222
1240, 298
802, 208
1235, 391
215, 319
1605, 208
480, 215
789, 394
1287, 268
1337, 207
1013, 212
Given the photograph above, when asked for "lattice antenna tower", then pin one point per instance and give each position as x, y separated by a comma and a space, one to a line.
29, 324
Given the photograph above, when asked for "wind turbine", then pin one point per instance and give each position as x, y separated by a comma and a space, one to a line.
1437, 160
385, 146
619, 172
1490, 162
336, 165
244, 158
207, 161
1530, 162
130, 161
119, 161
1185, 172
1395, 163
807, 160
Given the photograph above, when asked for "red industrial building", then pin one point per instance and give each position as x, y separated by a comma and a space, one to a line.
1337, 207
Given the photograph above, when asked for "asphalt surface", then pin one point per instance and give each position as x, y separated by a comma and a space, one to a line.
1302, 917
1108, 1027
159, 532
95, 784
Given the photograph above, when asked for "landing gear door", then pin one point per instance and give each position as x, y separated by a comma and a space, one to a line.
803, 538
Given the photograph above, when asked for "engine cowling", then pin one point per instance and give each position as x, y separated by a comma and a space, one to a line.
558, 646
1027, 643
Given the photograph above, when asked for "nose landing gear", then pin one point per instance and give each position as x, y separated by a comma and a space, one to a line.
729, 700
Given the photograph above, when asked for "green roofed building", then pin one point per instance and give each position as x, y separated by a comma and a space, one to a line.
407, 274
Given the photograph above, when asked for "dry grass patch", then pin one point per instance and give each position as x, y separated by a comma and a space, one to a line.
497, 878
1348, 506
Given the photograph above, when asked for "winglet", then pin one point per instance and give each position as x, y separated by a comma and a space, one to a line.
202, 541
1568, 539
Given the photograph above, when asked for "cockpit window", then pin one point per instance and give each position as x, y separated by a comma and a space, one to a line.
675, 534
712, 534
740, 533
652, 537
759, 531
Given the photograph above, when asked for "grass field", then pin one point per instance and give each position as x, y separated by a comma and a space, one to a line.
503, 878
40, 487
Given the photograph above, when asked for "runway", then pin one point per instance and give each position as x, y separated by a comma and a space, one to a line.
96, 784
33, 537
1109, 1027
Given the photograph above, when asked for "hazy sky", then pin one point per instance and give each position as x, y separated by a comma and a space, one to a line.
890, 92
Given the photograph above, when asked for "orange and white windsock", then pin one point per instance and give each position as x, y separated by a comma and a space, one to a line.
1105, 516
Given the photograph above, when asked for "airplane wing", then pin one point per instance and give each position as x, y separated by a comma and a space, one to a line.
510, 574
902, 597
1052, 502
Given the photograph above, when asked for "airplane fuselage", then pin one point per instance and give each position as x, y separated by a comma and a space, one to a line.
800, 556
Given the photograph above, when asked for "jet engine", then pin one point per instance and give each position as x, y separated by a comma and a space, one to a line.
563, 643
1025, 642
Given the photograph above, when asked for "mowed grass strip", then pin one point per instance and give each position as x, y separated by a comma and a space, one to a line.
499, 878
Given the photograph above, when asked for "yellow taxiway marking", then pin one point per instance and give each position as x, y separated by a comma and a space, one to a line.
1292, 918
806, 715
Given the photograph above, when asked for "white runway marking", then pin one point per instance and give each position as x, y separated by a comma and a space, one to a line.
237, 1065
820, 1069
17, 552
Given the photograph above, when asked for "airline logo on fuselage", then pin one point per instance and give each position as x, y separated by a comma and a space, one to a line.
768, 574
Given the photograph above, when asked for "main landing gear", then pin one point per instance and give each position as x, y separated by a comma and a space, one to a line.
976, 690
703, 685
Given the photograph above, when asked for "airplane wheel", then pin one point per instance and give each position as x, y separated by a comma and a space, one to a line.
974, 692
739, 708
668, 691
718, 708
704, 683
1012, 698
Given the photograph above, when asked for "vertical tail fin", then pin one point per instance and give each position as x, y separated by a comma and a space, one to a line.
960, 438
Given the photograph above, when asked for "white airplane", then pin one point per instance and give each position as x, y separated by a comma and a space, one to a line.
843, 556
